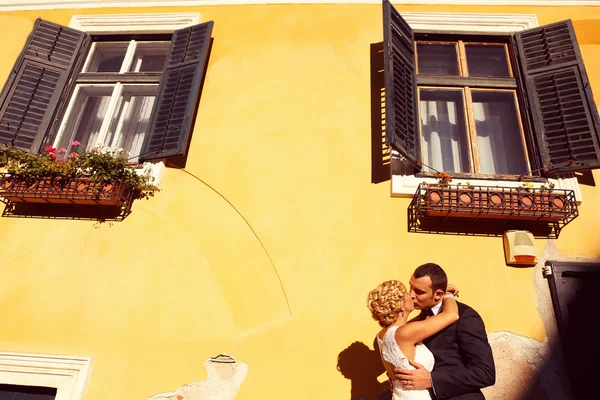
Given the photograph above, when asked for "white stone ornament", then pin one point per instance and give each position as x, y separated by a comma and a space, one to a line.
225, 377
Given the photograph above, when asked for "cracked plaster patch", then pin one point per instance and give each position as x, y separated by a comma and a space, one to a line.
225, 376
525, 369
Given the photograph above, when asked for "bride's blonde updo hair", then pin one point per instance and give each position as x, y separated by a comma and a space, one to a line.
386, 302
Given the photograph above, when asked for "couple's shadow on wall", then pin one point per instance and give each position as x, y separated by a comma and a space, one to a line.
362, 366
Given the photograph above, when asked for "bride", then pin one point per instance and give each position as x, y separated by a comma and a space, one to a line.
400, 340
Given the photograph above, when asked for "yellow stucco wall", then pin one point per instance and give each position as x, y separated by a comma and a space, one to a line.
266, 246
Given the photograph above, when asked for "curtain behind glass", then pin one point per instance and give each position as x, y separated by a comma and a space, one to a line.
499, 140
444, 140
131, 124
86, 120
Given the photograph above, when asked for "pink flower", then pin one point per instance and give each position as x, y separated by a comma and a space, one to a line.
75, 143
62, 159
73, 156
49, 149
94, 149
52, 156
61, 151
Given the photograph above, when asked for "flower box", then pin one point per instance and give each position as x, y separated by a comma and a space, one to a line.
454, 201
490, 211
57, 190
97, 177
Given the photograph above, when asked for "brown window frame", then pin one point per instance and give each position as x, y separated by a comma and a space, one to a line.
468, 84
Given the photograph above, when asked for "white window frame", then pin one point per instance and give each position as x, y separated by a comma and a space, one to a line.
136, 23
116, 91
124, 90
75, 107
404, 182
77, 112
69, 375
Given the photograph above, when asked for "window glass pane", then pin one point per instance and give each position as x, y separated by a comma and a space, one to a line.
150, 57
130, 124
487, 60
444, 139
85, 120
499, 139
107, 57
437, 59
19, 392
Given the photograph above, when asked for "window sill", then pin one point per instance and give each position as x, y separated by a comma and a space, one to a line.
405, 182
153, 168
487, 177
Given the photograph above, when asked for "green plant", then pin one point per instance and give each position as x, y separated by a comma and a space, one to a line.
101, 165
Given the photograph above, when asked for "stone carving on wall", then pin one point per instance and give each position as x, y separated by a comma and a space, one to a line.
225, 376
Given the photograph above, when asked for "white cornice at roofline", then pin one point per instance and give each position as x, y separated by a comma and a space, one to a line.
15, 5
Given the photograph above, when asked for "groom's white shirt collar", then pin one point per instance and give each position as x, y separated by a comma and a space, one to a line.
437, 308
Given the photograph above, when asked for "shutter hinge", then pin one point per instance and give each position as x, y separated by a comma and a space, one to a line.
547, 269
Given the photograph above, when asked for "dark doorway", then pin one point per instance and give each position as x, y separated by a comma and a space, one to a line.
575, 291
18, 392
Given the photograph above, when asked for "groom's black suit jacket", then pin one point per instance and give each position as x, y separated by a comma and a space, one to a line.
463, 358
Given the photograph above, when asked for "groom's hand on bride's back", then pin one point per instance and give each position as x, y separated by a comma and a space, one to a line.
414, 379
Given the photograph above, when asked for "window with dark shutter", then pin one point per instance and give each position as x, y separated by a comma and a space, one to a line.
563, 110
489, 105
401, 113
178, 93
30, 98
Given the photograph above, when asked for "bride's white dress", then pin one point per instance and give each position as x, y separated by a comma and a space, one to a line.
394, 358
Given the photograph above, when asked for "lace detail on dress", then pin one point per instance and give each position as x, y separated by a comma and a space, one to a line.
390, 350
391, 354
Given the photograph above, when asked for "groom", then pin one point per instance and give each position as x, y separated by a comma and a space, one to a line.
463, 356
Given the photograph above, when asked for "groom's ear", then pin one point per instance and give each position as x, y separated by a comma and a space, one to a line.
438, 294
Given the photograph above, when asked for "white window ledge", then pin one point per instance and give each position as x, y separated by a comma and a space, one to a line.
406, 185
155, 169
69, 375
138, 23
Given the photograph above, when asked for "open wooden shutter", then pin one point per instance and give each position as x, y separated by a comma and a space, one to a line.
32, 93
401, 111
565, 117
178, 93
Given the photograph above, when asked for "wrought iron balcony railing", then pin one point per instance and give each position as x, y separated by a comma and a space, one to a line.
490, 210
